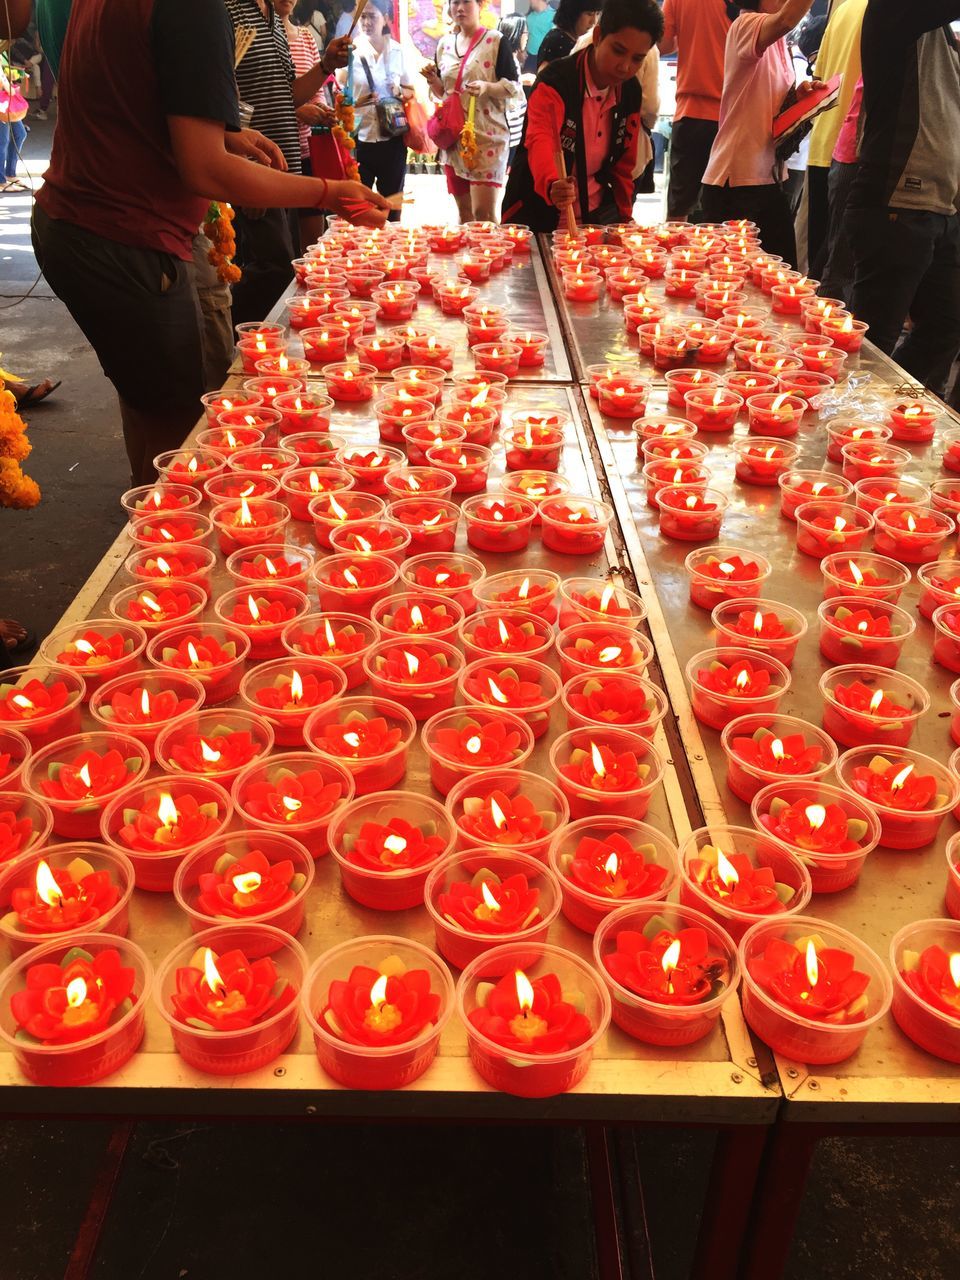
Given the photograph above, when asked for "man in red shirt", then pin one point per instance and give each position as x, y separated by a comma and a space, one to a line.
148, 132
696, 31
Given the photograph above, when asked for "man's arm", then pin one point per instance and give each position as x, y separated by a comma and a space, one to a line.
668, 41
205, 166
14, 18
311, 82
776, 25
542, 141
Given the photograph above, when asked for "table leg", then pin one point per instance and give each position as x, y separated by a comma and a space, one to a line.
776, 1204
726, 1210
603, 1198
82, 1255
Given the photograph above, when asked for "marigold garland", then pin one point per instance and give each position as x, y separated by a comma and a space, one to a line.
16, 489
468, 138
218, 228
343, 132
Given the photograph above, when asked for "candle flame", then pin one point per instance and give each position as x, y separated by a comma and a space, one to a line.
855, 573
351, 577
167, 811
413, 663
352, 740
291, 804
254, 611
296, 687
757, 622
671, 957
490, 902
314, 483
727, 871
813, 964
192, 464
901, 777
163, 567
816, 815
497, 814
504, 633
76, 993
83, 773
726, 568
524, 992
598, 766
211, 974
741, 680
192, 654
85, 647
378, 992
612, 865
336, 508
911, 523
328, 632
21, 701
876, 700
839, 524
610, 654
248, 882
955, 968
416, 617
473, 744
145, 703
47, 888
245, 516
365, 546
395, 844
496, 692
270, 566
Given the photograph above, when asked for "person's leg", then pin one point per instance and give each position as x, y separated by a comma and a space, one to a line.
930, 348
366, 158
139, 310
690, 144
217, 331
769, 208
47, 84
892, 254
818, 218
5, 148
716, 204
264, 253
392, 170
484, 200
459, 188
837, 278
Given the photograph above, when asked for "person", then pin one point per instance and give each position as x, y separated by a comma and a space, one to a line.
573, 19
380, 71
902, 209
487, 70
27, 395
13, 131
696, 31
648, 78
587, 106
267, 81
305, 54
148, 130
839, 55
516, 32
538, 21
743, 177
837, 279
345, 21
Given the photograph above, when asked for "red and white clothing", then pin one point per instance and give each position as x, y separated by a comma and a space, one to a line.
492, 60
305, 55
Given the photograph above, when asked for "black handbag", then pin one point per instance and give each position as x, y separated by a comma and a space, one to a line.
391, 113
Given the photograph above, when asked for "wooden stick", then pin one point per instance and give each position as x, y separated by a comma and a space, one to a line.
356, 17
571, 216
243, 39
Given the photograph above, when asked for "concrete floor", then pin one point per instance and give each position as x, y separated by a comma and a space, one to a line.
242, 1202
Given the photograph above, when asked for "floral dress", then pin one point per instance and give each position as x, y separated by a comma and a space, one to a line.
493, 61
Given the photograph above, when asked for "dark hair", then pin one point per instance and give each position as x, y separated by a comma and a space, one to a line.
512, 29
644, 15
736, 7
569, 12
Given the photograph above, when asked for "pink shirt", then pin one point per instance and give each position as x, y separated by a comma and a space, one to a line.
754, 86
698, 29
598, 105
845, 152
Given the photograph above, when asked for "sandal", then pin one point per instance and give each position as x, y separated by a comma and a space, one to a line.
37, 393
14, 184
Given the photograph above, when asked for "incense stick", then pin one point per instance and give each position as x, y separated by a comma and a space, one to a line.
571, 216
356, 17
243, 39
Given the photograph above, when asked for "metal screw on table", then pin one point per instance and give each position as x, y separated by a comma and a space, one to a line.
311, 1110
737, 1078
751, 1062
792, 1072
813, 1084
280, 1071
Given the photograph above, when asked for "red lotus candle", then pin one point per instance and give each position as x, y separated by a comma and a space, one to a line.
943, 495
667, 449
160, 499
271, 565
713, 409
231, 1006
462, 743
874, 633
759, 344
298, 793
97, 649
925, 957
213, 655
533, 591
863, 460
844, 431
724, 573
774, 628
533, 347
690, 516
385, 353
763, 461
468, 463
816, 309
661, 474
315, 448
71, 889
606, 698
432, 524
261, 614
177, 563
910, 793
602, 862
377, 1007
608, 770
826, 526
680, 381
531, 446
399, 410
227, 440
349, 382
799, 487
914, 421
526, 688
760, 749
214, 744
372, 538
623, 395
866, 576
738, 876
72, 1011
77, 776
726, 683
406, 481
811, 991
913, 535
775, 415
829, 829
601, 646
582, 284
332, 511
453, 576
476, 423
354, 583
338, 638
245, 878
525, 1036
786, 298
142, 703
259, 461
597, 600
224, 401
499, 525
246, 522
232, 485
191, 529
479, 900
574, 524
370, 737
43, 704
196, 466
946, 644
871, 495
939, 583
421, 676
418, 614
323, 346
15, 750
25, 824
507, 808
287, 691
157, 609
864, 704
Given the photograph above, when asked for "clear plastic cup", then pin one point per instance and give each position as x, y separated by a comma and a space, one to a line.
287, 691
602, 646
152, 500
833, 845
297, 793
143, 703
791, 1033
445, 574
918, 958
339, 638
371, 737
41, 702
798, 487
879, 577
613, 771
15, 751
847, 716
825, 526
765, 625
725, 573
57, 775
807, 752
871, 631
766, 683
530, 590
614, 698
208, 652
397, 1062
507, 808
902, 828
179, 563
161, 607
271, 565
465, 742
643, 1017
97, 649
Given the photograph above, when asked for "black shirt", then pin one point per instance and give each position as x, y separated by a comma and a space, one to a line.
556, 44
265, 78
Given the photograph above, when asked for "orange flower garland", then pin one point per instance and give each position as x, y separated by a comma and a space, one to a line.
218, 228
468, 137
16, 489
343, 132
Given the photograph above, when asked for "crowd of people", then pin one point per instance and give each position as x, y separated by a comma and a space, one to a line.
162, 105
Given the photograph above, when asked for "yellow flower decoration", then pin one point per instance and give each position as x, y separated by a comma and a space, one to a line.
16, 489
468, 138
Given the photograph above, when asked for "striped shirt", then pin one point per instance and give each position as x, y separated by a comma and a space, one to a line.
265, 78
306, 55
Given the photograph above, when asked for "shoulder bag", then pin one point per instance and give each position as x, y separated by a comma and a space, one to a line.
446, 125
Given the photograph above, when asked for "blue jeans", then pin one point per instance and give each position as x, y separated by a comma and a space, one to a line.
12, 138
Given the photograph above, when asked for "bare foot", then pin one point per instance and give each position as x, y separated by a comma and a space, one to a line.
12, 633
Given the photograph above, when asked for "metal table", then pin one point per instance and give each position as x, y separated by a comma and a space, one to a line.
889, 1085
